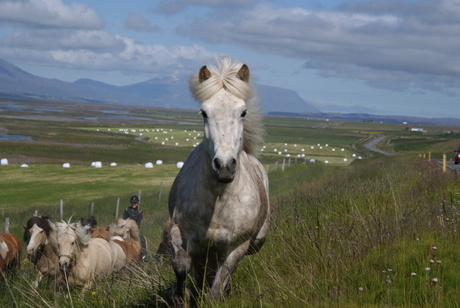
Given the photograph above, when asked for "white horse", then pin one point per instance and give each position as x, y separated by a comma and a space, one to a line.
219, 204
86, 258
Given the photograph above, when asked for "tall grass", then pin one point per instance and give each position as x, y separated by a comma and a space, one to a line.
363, 235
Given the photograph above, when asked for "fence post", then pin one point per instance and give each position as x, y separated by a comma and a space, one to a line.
92, 208
7, 224
61, 209
118, 206
36, 213
139, 193
282, 168
276, 166
443, 162
161, 190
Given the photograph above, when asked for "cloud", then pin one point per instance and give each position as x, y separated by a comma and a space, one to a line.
403, 45
55, 34
136, 22
48, 14
172, 7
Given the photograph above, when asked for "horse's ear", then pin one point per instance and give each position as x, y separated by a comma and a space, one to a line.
243, 73
204, 74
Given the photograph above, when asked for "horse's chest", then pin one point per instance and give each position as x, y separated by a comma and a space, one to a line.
227, 223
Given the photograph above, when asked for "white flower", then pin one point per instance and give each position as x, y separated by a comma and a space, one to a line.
361, 289
434, 280
413, 274
427, 269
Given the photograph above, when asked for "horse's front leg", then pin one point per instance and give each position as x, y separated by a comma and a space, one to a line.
181, 263
222, 278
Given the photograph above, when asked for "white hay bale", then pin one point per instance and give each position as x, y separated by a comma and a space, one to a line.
24, 166
65, 165
180, 164
113, 164
148, 165
4, 162
159, 162
97, 164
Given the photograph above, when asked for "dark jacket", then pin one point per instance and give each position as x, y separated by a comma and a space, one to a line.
134, 214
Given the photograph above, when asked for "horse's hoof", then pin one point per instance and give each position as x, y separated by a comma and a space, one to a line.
178, 300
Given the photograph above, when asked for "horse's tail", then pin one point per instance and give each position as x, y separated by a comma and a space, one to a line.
164, 249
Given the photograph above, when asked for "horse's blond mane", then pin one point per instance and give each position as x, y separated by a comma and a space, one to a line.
81, 233
224, 76
132, 226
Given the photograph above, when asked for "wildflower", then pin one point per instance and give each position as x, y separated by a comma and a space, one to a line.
431, 261
413, 274
388, 280
427, 269
434, 280
438, 261
360, 289
93, 293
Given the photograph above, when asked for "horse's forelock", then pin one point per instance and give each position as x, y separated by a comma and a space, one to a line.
41, 222
225, 74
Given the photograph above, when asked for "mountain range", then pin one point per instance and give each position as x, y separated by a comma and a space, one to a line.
157, 92
171, 93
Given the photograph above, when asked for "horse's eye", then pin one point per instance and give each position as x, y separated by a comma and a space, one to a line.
243, 114
204, 114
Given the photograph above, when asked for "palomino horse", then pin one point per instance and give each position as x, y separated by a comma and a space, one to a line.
129, 231
42, 248
86, 258
218, 204
10, 252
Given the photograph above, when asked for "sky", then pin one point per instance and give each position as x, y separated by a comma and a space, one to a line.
385, 57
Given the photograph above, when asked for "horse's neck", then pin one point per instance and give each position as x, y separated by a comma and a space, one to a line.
52, 241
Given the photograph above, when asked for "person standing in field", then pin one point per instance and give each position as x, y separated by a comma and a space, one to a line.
135, 213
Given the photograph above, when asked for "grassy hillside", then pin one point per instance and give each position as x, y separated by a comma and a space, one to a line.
379, 231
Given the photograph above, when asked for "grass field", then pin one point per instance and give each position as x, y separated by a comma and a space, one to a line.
371, 232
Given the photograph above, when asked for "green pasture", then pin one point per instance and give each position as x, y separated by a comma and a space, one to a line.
371, 232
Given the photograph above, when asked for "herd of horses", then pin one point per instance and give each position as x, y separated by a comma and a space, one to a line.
77, 253
219, 208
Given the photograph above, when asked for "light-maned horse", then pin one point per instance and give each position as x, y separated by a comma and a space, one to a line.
219, 204
10, 252
86, 258
42, 248
129, 231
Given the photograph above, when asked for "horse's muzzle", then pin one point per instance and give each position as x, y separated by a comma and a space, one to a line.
225, 172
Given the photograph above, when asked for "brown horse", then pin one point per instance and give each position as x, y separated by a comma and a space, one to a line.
128, 231
96, 231
42, 249
131, 248
10, 252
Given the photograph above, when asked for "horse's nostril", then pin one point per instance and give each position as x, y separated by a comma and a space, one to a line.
217, 164
233, 164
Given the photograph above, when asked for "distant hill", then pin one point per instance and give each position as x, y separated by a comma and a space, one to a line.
157, 92
365, 117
